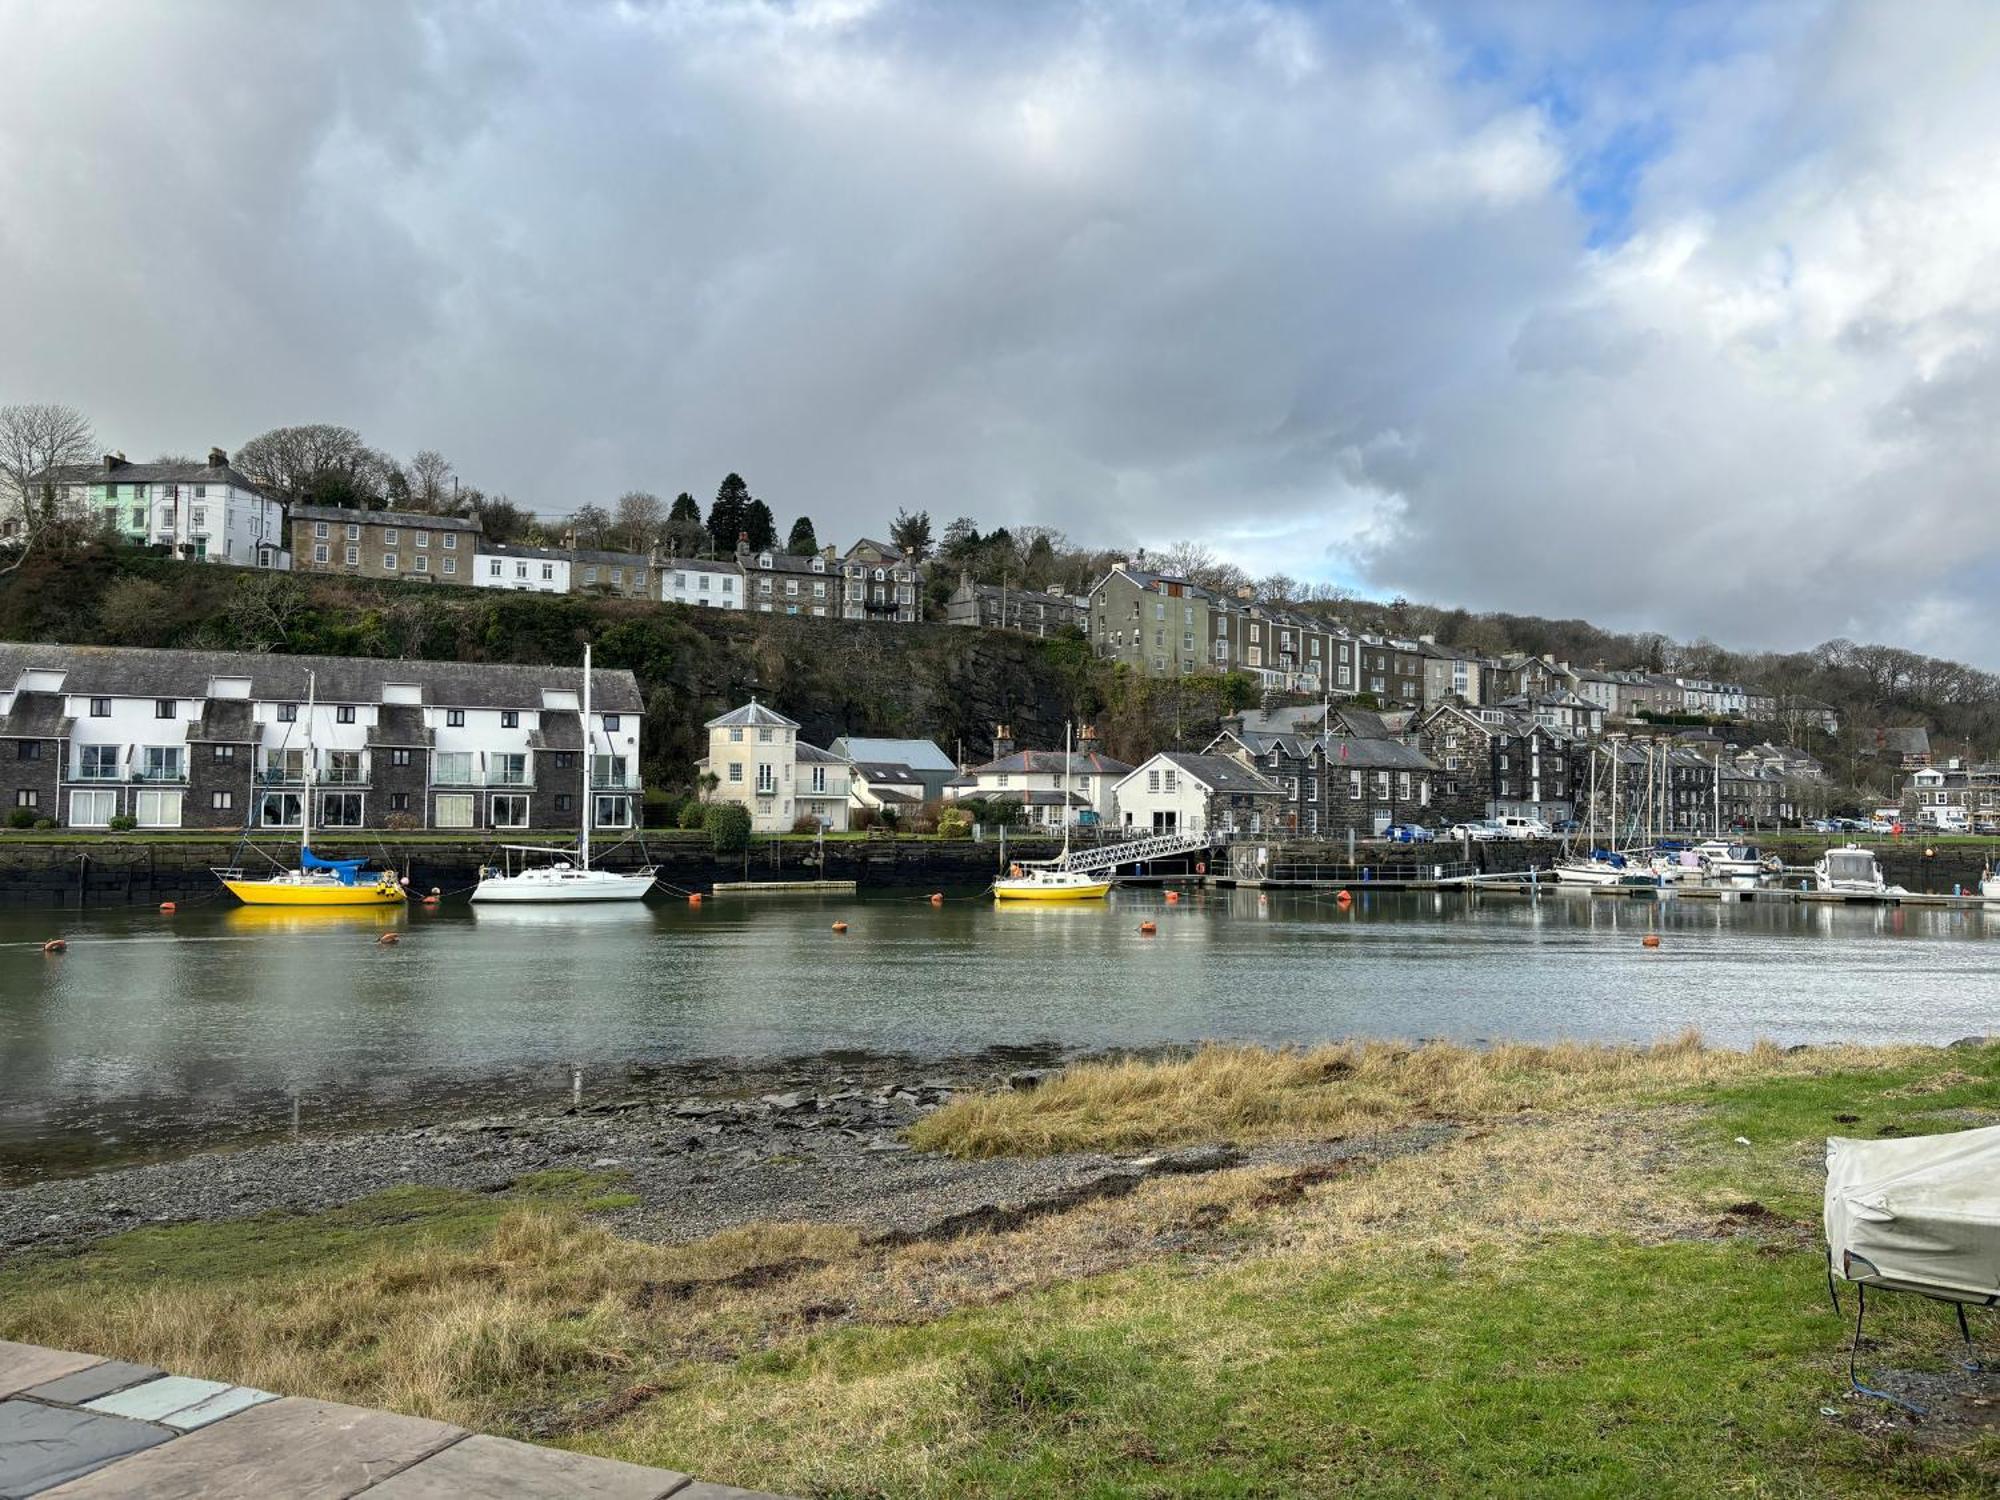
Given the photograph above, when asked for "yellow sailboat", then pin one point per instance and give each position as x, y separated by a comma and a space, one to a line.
317, 881
1052, 882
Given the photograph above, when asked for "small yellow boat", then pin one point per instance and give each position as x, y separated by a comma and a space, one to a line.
316, 888
317, 881
1050, 885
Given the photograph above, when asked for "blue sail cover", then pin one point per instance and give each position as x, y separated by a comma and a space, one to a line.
347, 869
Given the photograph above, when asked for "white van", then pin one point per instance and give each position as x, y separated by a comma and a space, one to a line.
1515, 826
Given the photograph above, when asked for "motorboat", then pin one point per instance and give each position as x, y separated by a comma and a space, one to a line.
315, 881
559, 877
1726, 861
1851, 871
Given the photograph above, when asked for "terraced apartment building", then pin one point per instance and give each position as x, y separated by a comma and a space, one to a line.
92, 735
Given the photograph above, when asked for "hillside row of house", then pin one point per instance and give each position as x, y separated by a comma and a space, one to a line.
211, 512
92, 736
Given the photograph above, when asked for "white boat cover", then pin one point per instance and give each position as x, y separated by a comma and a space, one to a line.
1920, 1214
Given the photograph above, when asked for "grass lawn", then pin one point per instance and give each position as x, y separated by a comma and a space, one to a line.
1589, 1288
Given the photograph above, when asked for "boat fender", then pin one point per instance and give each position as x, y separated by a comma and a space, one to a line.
55, 945
1148, 928
1650, 940
1173, 898
1343, 900
387, 940
937, 898
1200, 868
168, 908
694, 898
840, 927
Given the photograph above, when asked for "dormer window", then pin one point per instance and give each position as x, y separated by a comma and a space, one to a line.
763, 559
819, 565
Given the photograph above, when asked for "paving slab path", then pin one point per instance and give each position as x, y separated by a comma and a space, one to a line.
79, 1427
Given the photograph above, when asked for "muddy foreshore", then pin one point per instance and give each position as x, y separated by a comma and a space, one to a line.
816, 1139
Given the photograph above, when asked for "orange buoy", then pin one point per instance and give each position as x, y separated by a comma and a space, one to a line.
937, 898
1343, 900
168, 907
1650, 940
1200, 868
1173, 898
387, 940
1148, 927
840, 927
55, 945
430, 900
694, 898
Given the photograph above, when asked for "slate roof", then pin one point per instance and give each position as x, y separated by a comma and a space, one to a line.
788, 562
489, 548
130, 473
581, 555
918, 755
35, 716
889, 771
813, 755
1044, 797
415, 520
225, 719
136, 672
1220, 773
751, 715
1050, 763
402, 725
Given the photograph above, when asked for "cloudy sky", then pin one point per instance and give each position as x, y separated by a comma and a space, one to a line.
1684, 317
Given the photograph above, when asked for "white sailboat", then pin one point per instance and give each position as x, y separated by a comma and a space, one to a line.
1602, 867
560, 878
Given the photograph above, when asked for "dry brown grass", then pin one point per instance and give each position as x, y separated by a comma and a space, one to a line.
1252, 1093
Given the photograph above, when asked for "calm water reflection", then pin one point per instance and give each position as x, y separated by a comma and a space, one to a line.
154, 1027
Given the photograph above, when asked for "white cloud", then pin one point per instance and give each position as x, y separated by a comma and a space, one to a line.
1318, 284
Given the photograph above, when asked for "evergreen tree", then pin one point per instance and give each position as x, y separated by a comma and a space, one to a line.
802, 541
912, 534
686, 508
725, 517
761, 525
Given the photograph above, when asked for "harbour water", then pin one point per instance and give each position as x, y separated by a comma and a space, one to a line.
163, 1032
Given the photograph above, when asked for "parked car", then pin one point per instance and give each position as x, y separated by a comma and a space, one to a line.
1825, 825
1479, 832
1408, 833
1567, 825
1515, 826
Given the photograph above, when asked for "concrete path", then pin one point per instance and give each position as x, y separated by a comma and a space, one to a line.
77, 1427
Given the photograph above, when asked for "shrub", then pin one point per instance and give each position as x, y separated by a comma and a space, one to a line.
728, 827
21, 817
954, 823
862, 819
694, 814
43, 825
806, 823
123, 823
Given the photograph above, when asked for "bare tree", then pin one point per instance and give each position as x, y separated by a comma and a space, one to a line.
429, 476
34, 439
319, 463
266, 609
590, 524
639, 519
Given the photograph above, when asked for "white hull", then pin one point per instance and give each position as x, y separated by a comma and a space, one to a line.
1588, 874
547, 887
1990, 888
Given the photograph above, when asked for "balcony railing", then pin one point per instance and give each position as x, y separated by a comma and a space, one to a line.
98, 773
603, 782
161, 776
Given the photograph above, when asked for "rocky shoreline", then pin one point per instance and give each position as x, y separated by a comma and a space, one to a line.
820, 1143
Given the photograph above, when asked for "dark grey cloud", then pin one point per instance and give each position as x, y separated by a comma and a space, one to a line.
1327, 287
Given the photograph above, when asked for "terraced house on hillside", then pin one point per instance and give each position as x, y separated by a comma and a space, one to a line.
202, 512
384, 544
220, 739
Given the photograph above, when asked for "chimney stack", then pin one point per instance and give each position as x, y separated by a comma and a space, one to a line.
217, 458
114, 461
742, 544
1086, 740
1003, 741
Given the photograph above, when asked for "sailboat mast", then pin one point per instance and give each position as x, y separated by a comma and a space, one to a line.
306, 806
583, 832
1069, 770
